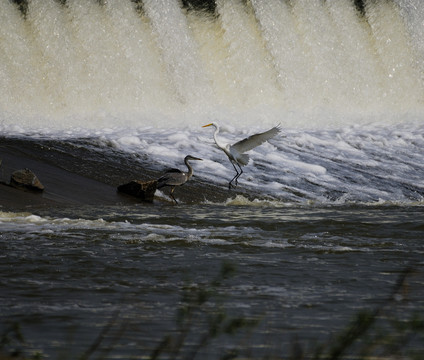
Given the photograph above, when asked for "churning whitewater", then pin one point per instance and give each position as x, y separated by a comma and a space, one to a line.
347, 88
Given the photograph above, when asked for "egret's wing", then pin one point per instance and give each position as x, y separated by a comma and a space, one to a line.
255, 140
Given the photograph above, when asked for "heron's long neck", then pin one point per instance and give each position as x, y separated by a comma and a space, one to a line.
190, 169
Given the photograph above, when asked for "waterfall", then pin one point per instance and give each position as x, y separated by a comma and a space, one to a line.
178, 50
261, 58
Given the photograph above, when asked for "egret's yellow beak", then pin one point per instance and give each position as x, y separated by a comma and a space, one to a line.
206, 125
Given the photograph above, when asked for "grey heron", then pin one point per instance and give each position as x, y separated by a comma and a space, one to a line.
236, 151
176, 177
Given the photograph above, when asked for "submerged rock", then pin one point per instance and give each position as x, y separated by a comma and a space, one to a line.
144, 191
26, 179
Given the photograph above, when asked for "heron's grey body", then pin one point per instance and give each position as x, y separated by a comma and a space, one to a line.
236, 151
176, 177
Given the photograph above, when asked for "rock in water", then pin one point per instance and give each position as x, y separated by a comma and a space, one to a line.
145, 191
26, 179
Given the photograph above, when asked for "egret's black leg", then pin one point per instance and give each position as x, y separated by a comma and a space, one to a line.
230, 185
171, 194
238, 175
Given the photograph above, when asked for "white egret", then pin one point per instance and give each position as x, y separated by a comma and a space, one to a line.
236, 151
176, 177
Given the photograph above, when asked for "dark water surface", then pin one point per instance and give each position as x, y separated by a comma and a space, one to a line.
299, 272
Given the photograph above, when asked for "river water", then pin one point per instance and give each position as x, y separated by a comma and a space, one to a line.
300, 272
327, 221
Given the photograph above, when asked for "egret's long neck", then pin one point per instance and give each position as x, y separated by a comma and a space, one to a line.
217, 142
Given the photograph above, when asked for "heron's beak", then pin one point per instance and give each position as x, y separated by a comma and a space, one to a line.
196, 159
207, 125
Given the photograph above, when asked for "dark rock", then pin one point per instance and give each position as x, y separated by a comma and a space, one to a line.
26, 179
144, 191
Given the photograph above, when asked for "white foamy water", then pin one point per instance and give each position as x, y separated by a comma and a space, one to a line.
368, 163
247, 227
346, 88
